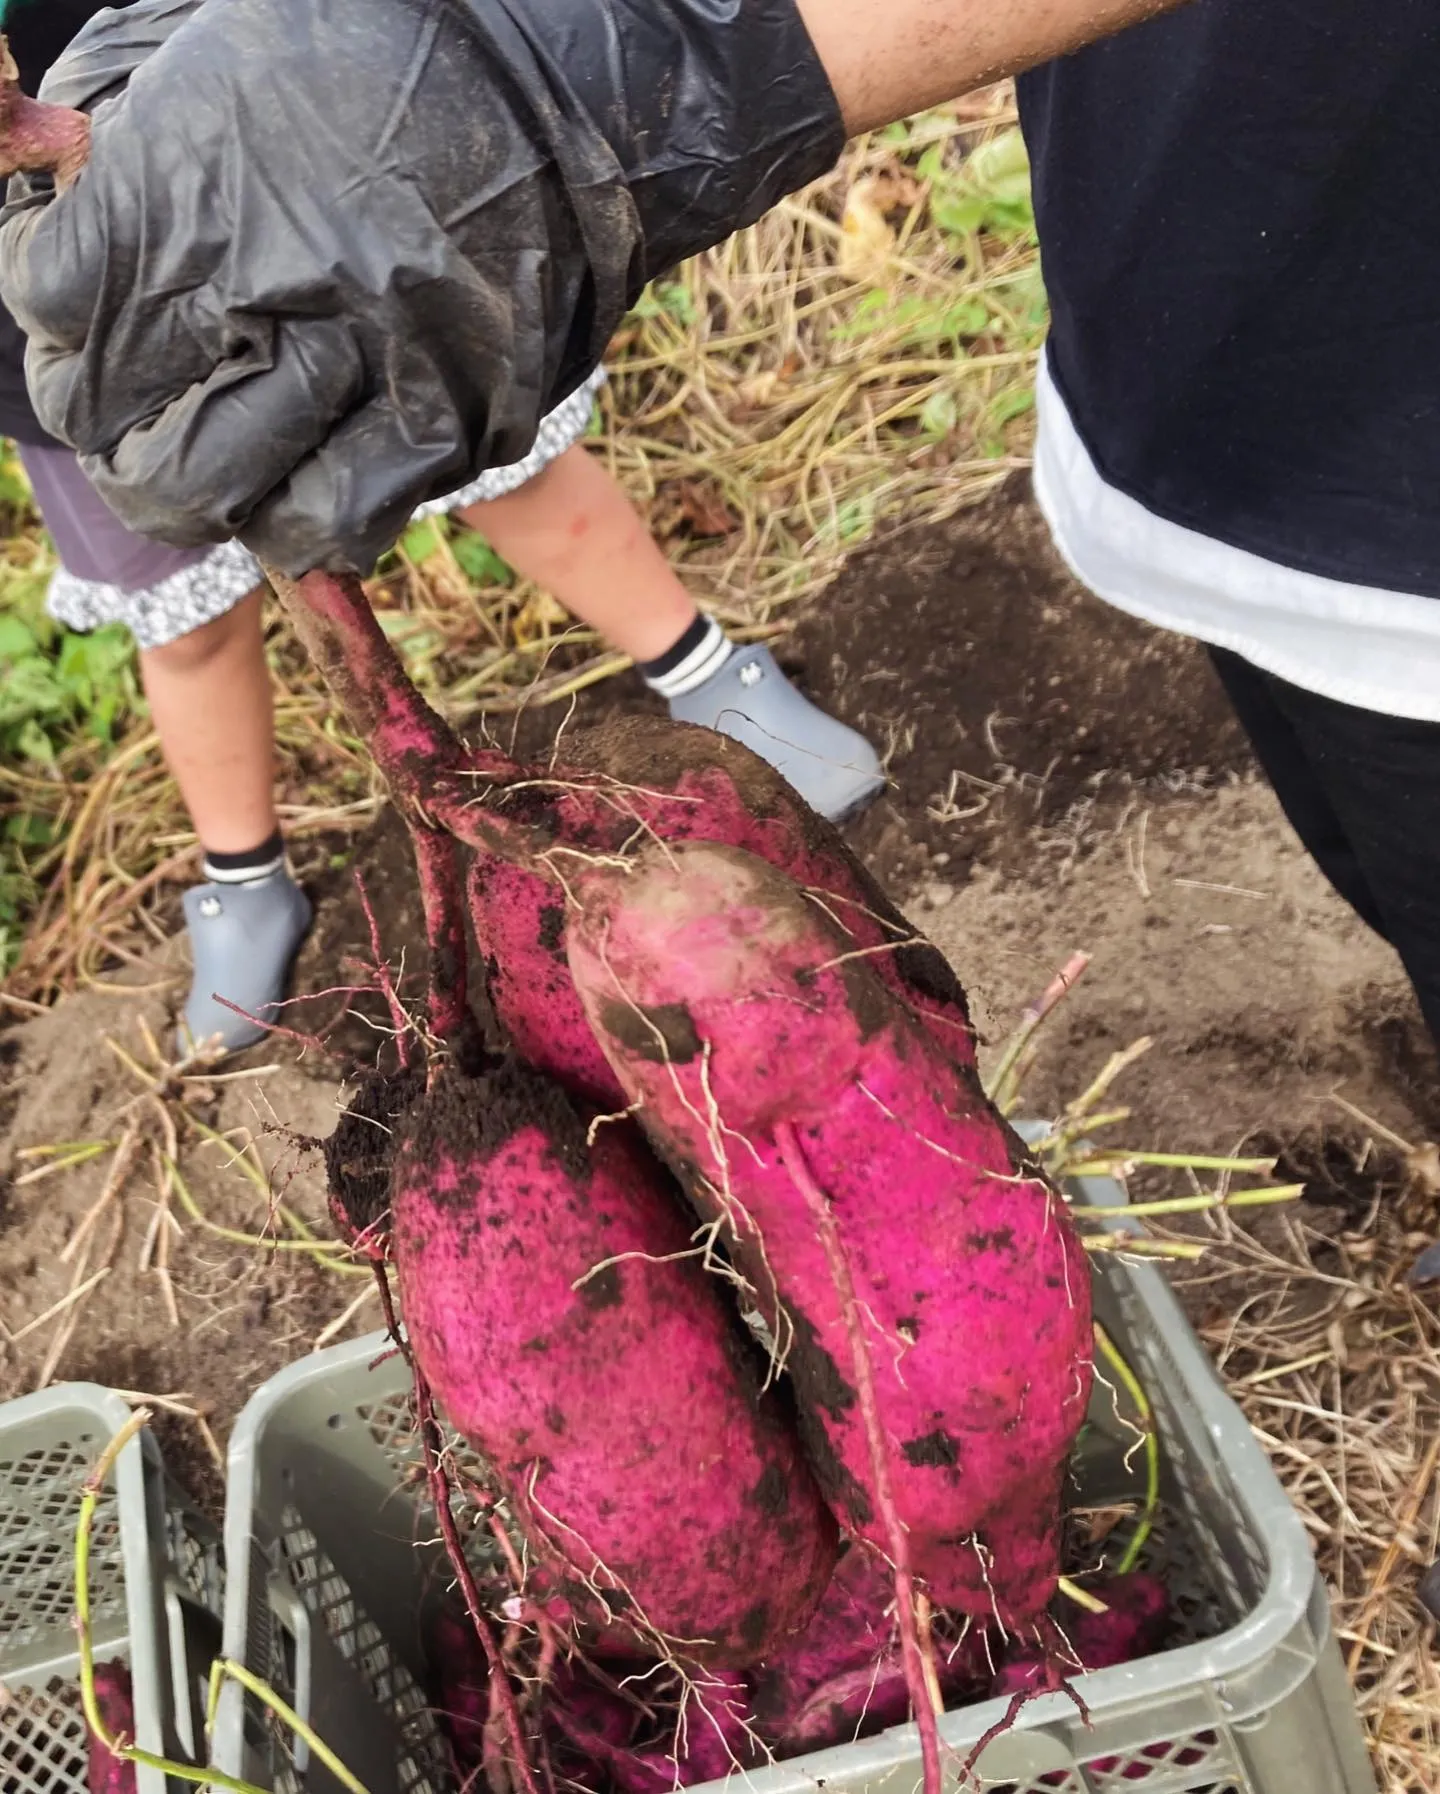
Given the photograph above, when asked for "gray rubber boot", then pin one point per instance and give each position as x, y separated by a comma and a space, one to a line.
833, 768
243, 940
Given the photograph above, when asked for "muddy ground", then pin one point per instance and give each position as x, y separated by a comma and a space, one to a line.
1063, 778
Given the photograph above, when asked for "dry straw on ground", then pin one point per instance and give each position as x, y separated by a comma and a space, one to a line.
1334, 1357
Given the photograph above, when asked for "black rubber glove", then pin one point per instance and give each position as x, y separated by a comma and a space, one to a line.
332, 258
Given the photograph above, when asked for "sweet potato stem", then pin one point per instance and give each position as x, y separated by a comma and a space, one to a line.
398, 1018
443, 903
502, 1694
418, 753
916, 1680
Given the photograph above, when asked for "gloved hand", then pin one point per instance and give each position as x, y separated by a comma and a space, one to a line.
332, 258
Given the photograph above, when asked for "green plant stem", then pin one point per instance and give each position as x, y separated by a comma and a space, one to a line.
1139, 1246
241, 1159
117, 1747
1133, 1387
1180, 1161
286, 1714
1003, 1084
321, 1251
1192, 1205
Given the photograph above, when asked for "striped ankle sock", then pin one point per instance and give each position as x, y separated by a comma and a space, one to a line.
250, 868
697, 656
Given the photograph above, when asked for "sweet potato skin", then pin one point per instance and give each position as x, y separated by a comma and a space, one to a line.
729, 1006
1133, 1625
462, 1679
843, 1676
555, 1305
682, 784
107, 1774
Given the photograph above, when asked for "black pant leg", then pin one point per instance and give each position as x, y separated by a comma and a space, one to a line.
1285, 760
1382, 776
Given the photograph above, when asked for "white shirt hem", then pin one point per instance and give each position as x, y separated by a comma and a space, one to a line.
1360, 645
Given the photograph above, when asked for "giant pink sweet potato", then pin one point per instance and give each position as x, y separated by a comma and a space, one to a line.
680, 784
805, 1104
555, 1305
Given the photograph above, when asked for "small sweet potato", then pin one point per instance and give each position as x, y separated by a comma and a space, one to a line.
555, 1304
843, 1676
603, 1744
1133, 1625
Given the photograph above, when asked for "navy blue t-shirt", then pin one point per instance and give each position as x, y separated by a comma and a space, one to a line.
1239, 213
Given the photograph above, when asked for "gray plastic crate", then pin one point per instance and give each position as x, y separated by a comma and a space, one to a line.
154, 1582
334, 1573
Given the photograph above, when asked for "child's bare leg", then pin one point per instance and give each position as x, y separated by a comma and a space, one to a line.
573, 531
210, 699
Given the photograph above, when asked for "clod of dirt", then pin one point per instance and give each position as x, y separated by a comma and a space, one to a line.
360, 1152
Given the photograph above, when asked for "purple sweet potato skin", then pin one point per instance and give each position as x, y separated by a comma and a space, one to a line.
728, 1006
1138, 1611
843, 1675
682, 784
611, 1393
713, 1737
463, 1685
107, 1774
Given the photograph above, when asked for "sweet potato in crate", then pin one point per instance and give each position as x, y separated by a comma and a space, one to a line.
335, 1585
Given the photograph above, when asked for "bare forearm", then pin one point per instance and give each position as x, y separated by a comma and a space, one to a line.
889, 58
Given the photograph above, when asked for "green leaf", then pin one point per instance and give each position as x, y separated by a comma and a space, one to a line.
939, 415
29, 830
31, 689
1012, 404
423, 539
855, 519
989, 191
667, 298
16, 639
1000, 166
478, 560
957, 213
32, 741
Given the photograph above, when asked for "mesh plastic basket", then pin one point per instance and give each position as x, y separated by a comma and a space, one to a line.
334, 1575
155, 1581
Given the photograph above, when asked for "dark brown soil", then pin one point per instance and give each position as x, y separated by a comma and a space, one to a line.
999, 684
